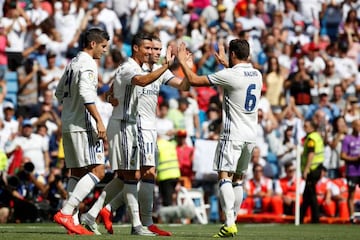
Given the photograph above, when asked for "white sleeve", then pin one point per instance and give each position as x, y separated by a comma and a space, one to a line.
87, 90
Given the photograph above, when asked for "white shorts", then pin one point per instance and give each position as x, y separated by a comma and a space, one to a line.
147, 146
122, 145
233, 156
83, 149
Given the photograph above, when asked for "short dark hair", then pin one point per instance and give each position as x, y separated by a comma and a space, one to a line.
140, 37
94, 34
241, 48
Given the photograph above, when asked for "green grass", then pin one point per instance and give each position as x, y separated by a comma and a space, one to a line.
49, 231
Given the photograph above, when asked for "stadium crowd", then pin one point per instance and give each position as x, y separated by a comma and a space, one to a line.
308, 52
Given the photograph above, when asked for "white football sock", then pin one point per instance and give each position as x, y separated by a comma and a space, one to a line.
98, 205
70, 188
146, 200
228, 197
81, 190
239, 196
131, 199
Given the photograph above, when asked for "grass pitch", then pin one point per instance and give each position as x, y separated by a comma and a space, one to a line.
50, 231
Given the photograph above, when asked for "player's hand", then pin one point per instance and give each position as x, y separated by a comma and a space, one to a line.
221, 56
169, 56
189, 60
101, 130
113, 101
182, 53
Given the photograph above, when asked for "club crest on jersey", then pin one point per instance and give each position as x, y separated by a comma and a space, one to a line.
91, 76
99, 156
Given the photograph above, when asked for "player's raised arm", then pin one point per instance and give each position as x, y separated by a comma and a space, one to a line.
192, 77
221, 56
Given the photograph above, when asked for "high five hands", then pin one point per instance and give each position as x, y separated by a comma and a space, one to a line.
221, 56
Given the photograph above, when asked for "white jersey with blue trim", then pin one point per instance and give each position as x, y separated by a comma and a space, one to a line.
148, 98
242, 89
78, 87
124, 91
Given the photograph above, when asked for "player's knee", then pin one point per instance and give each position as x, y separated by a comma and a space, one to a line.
148, 172
99, 171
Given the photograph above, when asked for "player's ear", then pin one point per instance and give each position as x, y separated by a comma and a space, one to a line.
92, 44
136, 48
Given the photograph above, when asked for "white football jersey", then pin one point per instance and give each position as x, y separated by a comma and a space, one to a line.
78, 87
242, 89
124, 91
148, 98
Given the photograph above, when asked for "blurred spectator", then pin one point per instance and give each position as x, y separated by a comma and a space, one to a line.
25, 190
350, 153
274, 81
211, 12
329, 78
338, 98
335, 163
37, 153
222, 26
191, 117
331, 19
47, 117
195, 32
111, 62
181, 36
118, 45
263, 14
28, 78
291, 116
206, 64
352, 110
91, 20
213, 114
252, 21
51, 75
326, 190
314, 64
55, 192
351, 24
176, 113
164, 126
165, 24
185, 155
342, 208
15, 29
299, 38
105, 108
168, 171
291, 16
67, 23
35, 15
3, 65
257, 159
310, 10
11, 125
299, 84
288, 187
287, 150
4, 207
260, 196
330, 109
346, 68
